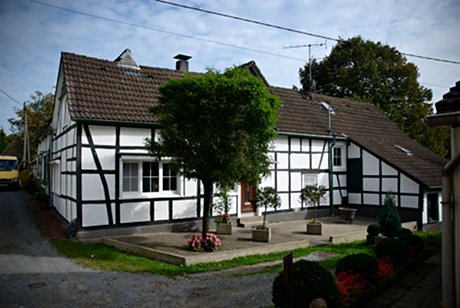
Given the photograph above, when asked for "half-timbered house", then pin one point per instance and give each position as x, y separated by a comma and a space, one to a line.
102, 177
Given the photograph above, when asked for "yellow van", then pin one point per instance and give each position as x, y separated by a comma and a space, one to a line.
9, 171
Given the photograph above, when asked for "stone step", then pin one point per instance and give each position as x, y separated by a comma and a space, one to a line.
250, 221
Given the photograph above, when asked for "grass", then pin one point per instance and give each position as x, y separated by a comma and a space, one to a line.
99, 256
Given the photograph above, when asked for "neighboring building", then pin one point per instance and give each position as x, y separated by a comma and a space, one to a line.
448, 113
102, 176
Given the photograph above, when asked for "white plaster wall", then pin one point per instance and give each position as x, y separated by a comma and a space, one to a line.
342, 178
190, 187
161, 210
295, 144
372, 199
371, 184
106, 157
300, 161
184, 209
408, 185
317, 145
92, 188
305, 145
283, 180
134, 212
281, 143
370, 164
268, 181
102, 135
282, 159
409, 202
95, 215
134, 136
295, 200
387, 170
389, 184
353, 151
284, 202
296, 181
354, 198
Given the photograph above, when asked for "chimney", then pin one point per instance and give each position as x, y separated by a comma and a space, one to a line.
182, 62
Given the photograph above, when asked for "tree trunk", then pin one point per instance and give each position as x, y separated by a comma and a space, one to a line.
208, 192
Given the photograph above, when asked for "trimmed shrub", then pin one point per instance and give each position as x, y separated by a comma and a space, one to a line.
403, 231
389, 220
373, 229
359, 263
413, 241
310, 281
395, 249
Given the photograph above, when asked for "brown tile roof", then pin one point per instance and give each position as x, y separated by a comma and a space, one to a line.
101, 90
365, 125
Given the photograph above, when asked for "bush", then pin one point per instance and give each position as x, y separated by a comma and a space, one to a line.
373, 229
359, 263
389, 220
414, 241
210, 243
310, 281
396, 250
403, 231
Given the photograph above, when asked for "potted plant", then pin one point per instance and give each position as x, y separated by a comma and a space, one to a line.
223, 219
373, 232
312, 194
265, 197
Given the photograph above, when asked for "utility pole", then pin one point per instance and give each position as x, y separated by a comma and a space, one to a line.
310, 59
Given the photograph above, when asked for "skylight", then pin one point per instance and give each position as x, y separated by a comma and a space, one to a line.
404, 150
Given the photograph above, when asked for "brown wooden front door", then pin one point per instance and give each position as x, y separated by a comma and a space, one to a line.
247, 198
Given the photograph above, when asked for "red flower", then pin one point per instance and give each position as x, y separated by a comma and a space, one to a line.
350, 285
385, 267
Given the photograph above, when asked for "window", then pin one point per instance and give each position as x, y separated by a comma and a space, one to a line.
150, 176
130, 176
337, 157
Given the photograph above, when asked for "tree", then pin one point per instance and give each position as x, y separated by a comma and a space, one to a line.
379, 74
5, 139
217, 127
39, 111
389, 220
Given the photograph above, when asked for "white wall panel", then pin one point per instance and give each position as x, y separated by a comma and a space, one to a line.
295, 200
372, 199
107, 158
300, 161
133, 136
296, 181
135, 212
92, 188
184, 209
407, 185
284, 202
87, 160
354, 198
389, 185
281, 143
161, 210
317, 146
387, 170
370, 164
409, 202
283, 181
268, 181
94, 215
371, 184
305, 145
295, 144
282, 160
190, 187
354, 151
102, 135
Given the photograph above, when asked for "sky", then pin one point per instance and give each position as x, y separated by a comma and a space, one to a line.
33, 33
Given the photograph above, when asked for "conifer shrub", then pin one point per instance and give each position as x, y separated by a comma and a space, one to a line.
359, 263
310, 281
389, 220
395, 249
403, 231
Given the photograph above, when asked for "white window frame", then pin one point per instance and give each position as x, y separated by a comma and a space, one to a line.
139, 160
340, 167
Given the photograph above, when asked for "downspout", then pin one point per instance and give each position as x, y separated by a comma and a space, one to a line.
448, 236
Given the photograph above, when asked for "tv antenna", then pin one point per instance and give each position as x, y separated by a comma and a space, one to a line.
310, 59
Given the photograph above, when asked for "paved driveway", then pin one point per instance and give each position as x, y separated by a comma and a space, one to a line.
33, 274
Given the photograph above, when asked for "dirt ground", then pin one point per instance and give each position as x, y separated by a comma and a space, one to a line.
49, 222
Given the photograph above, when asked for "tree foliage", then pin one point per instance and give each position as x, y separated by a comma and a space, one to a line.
379, 74
39, 111
389, 220
4, 139
217, 127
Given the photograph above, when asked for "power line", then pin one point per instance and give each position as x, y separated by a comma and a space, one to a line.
117, 21
290, 29
10, 97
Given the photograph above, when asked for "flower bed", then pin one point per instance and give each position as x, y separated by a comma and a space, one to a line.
210, 243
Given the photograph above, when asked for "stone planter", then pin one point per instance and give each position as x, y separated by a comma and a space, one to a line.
261, 235
347, 213
315, 228
224, 228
